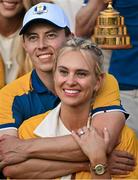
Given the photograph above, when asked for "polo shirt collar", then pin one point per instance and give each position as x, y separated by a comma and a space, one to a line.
48, 127
37, 84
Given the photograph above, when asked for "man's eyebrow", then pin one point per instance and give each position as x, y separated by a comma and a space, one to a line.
53, 30
30, 33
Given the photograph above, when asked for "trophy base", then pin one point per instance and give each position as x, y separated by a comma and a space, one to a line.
113, 47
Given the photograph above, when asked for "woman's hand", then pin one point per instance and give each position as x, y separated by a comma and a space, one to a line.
91, 142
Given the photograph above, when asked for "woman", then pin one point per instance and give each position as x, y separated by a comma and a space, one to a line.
78, 76
13, 63
77, 81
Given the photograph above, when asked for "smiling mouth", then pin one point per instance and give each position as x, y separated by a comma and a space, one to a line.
45, 56
71, 91
9, 4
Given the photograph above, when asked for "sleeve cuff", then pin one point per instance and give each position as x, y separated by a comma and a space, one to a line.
110, 109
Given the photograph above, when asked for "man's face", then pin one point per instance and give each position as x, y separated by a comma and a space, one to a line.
10, 8
41, 42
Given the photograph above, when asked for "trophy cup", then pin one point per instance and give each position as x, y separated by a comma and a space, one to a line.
110, 31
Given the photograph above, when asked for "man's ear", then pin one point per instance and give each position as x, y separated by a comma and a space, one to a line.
23, 43
71, 36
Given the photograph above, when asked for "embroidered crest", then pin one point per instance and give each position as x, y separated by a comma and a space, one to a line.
40, 9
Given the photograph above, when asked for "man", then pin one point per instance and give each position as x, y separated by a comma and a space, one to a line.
45, 29
123, 64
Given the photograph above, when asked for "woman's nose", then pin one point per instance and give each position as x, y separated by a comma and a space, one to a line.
71, 80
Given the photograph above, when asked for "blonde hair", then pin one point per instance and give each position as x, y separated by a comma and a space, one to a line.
83, 45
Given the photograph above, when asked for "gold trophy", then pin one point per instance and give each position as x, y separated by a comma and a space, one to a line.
110, 31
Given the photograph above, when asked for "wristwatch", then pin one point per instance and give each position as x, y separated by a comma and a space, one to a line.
99, 169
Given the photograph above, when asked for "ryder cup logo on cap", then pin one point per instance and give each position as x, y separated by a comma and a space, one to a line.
47, 12
40, 9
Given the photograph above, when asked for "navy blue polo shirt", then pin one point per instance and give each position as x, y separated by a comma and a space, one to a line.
37, 101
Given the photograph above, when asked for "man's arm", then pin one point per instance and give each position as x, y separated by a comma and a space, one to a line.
14, 150
86, 18
107, 111
43, 169
119, 163
114, 121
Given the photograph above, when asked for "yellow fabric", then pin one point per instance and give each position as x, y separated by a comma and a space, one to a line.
128, 142
7, 94
25, 131
2, 75
108, 94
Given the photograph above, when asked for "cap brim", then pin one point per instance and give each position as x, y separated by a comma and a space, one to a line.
38, 20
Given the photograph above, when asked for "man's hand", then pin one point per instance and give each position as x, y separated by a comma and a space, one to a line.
120, 163
12, 150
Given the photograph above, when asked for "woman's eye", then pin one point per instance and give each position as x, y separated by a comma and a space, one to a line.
81, 74
63, 72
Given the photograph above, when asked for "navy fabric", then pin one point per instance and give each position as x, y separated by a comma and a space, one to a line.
37, 101
109, 109
85, 1
124, 63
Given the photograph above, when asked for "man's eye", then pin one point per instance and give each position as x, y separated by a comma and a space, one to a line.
51, 35
32, 38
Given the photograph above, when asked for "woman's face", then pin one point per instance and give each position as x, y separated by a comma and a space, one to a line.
10, 8
75, 80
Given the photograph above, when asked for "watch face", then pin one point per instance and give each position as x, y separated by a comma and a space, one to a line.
99, 169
